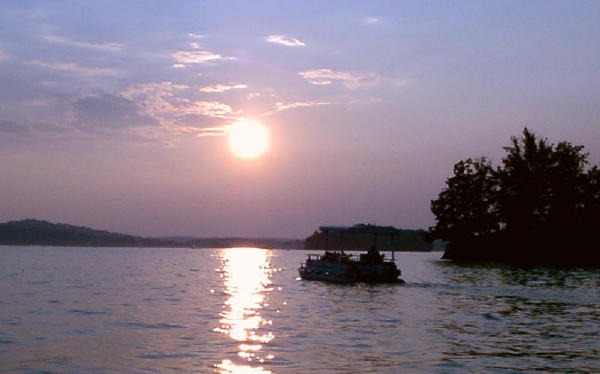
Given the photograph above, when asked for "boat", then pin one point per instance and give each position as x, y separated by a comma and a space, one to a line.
338, 266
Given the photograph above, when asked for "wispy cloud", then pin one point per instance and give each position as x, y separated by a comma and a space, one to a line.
4, 55
401, 82
321, 82
195, 36
167, 103
197, 57
11, 127
371, 20
76, 43
212, 109
284, 40
280, 107
157, 98
350, 80
212, 131
366, 102
180, 115
69, 66
222, 87
109, 111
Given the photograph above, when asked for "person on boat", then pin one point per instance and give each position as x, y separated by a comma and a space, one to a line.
373, 255
330, 256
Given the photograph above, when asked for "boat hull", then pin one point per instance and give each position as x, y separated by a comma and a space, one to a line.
349, 271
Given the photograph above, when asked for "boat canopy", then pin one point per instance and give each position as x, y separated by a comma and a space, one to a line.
362, 229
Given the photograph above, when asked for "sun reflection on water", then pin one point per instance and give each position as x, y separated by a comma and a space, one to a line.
247, 279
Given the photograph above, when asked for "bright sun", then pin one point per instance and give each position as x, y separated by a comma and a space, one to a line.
248, 139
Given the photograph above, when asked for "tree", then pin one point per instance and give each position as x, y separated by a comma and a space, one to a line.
466, 208
591, 200
540, 184
538, 203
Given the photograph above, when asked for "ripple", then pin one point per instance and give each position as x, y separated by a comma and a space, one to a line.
143, 325
87, 312
448, 318
161, 356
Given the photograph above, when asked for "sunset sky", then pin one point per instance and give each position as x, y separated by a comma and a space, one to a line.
116, 114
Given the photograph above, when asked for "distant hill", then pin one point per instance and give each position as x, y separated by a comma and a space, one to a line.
405, 240
39, 232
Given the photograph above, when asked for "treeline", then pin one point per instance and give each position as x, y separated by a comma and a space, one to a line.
405, 240
540, 206
39, 232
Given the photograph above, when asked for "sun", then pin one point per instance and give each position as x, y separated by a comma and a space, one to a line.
248, 139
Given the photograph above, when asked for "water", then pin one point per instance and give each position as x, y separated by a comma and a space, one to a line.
144, 310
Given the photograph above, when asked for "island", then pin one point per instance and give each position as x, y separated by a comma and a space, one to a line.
541, 206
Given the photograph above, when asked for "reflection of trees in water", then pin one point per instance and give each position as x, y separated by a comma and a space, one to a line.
551, 277
479, 274
489, 273
544, 320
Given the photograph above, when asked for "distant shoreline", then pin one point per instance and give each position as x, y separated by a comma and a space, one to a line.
34, 232
202, 248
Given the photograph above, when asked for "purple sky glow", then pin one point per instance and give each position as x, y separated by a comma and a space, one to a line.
115, 115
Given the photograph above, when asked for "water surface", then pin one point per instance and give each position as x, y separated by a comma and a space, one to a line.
140, 310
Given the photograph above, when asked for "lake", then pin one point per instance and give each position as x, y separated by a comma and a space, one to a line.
162, 310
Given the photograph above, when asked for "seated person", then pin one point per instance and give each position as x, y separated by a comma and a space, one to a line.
372, 255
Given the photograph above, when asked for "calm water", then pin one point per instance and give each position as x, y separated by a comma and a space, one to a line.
244, 311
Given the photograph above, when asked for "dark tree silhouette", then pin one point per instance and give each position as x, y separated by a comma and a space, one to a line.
465, 209
539, 206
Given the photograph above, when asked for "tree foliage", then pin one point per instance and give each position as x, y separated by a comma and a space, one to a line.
538, 203
465, 208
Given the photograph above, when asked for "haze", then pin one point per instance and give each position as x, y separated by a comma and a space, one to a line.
114, 115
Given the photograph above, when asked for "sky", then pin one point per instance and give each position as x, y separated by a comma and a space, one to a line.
116, 115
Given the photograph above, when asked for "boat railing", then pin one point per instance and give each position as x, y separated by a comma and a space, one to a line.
342, 256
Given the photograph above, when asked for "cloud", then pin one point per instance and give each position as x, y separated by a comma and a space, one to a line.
401, 82
366, 102
4, 55
195, 45
280, 107
283, 40
11, 127
161, 99
156, 98
222, 87
371, 20
212, 109
321, 82
75, 43
109, 111
69, 66
197, 57
213, 131
154, 89
350, 80
195, 36
33, 129
179, 115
